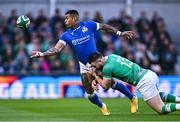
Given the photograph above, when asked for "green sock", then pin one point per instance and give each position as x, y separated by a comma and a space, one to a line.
167, 97
167, 108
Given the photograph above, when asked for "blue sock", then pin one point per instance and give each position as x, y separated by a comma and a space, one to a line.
123, 89
95, 99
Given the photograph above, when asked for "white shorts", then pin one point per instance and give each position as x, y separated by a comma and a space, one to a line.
84, 68
148, 85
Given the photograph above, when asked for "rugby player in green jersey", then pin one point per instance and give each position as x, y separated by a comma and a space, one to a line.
146, 81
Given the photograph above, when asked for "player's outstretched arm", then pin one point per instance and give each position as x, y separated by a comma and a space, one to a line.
111, 29
52, 51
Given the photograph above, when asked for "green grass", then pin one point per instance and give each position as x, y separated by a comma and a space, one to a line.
77, 110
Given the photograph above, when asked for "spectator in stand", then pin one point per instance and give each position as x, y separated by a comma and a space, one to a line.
98, 17
129, 55
13, 16
45, 66
110, 48
146, 35
144, 62
65, 57
43, 29
86, 16
8, 58
57, 19
153, 56
20, 62
40, 19
169, 59
57, 66
156, 17
34, 68
140, 51
3, 28
142, 20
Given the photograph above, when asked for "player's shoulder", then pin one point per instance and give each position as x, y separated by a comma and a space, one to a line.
92, 25
108, 62
88, 22
67, 32
64, 36
112, 58
107, 67
83, 23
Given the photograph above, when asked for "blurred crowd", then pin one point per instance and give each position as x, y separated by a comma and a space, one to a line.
151, 46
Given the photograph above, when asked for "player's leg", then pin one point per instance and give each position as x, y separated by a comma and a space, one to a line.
148, 87
93, 98
86, 81
157, 104
123, 89
169, 97
89, 90
118, 86
154, 100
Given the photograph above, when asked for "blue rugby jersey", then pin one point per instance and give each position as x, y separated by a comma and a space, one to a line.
81, 39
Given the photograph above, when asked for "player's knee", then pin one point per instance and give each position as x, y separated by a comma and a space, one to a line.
160, 110
87, 83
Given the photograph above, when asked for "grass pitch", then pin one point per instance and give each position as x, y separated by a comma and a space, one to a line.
77, 110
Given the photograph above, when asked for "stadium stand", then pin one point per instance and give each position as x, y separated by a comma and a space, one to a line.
152, 46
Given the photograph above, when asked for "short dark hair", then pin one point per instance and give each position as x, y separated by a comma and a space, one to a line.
72, 12
94, 56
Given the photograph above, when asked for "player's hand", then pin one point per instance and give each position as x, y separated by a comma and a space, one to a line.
127, 34
92, 71
37, 54
94, 85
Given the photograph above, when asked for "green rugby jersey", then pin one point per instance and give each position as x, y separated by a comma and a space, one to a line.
123, 69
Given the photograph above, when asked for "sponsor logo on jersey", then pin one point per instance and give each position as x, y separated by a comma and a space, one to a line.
84, 29
81, 40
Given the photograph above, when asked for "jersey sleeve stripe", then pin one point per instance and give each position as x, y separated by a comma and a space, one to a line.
63, 42
98, 26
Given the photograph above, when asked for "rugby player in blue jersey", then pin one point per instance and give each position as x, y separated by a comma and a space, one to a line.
80, 37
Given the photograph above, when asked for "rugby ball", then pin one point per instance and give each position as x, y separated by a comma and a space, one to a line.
23, 21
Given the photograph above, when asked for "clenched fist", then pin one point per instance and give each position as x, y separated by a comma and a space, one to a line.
126, 34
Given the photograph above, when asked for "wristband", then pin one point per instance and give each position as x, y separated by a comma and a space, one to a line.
118, 33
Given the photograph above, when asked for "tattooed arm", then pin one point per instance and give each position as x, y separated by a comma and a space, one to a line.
52, 51
108, 28
111, 29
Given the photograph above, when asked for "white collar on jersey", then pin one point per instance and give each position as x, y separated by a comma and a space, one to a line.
106, 57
